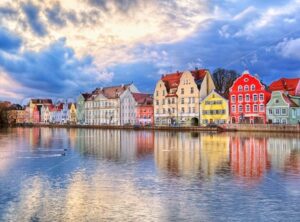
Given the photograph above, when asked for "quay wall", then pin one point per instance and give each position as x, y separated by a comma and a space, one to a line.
222, 128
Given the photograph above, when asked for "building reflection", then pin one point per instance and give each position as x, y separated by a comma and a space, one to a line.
190, 153
284, 152
115, 145
248, 156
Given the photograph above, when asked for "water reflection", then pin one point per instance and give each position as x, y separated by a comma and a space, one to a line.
146, 175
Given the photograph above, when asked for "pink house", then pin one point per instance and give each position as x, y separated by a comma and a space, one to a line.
144, 108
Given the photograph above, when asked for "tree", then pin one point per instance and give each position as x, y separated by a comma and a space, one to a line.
224, 79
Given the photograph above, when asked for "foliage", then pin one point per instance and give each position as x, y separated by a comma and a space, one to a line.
224, 79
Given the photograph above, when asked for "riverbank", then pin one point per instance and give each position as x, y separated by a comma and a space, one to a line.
223, 128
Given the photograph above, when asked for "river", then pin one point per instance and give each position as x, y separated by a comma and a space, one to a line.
49, 174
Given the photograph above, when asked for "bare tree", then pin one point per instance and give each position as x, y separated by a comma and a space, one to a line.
224, 79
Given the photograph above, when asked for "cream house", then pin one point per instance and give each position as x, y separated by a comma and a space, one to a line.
178, 95
103, 105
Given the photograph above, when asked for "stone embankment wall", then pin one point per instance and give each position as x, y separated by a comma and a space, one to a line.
262, 128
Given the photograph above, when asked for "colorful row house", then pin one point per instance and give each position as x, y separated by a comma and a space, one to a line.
178, 95
214, 109
284, 105
136, 108
248, 98
15, 114
103, 105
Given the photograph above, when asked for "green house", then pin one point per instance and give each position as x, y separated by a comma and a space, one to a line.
80, 108
281, 109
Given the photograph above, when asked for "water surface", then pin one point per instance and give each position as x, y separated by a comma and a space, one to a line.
103, 175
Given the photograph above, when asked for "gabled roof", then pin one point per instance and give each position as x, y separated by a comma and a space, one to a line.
86, 95
143, 98
286, 85
172, 80
289, 101
111, 92
41, 101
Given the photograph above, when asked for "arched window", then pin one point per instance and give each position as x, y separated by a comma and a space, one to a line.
240, 88
246, 88
240, 108
252, 87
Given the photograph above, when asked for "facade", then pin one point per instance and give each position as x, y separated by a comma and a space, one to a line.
36, 117
103, 106
80, 107
37, 104
128, 108
72, 114
247, 100
214, 109
177, 97
46, 113
282, 110
144, 109
56, 113
16, 114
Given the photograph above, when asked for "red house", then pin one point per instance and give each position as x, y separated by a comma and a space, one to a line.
144, 108
247, 100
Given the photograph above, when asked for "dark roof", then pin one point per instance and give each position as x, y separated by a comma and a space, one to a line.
143, 98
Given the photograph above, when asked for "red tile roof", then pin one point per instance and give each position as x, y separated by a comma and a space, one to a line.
172, 80
286, 85
143, 98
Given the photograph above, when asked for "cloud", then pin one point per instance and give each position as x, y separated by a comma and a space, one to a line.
32, 14
8, 41
54, 15
53, 70
289, 48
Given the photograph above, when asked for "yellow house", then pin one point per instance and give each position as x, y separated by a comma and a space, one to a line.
214, 109
72, 113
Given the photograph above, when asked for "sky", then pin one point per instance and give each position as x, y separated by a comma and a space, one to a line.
62, 48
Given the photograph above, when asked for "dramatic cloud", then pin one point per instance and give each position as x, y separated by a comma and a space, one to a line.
66, 47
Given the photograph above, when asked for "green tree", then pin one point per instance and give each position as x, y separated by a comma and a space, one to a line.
224, 79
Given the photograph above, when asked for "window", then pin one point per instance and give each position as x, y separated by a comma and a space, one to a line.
157, 102
277, 111
169, 101
261, 108
240, 88
255, 108
163, 101
173, 109
240, 108
240, 98
261, 97
246, 88
270, 111
182, 91
182, 109
252, 87
283, 111
233, 99
192, 89
189, 109
164, 111
247, 98
193, 109
276, 101
182, 100
247, 108
173, 100
254, 97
